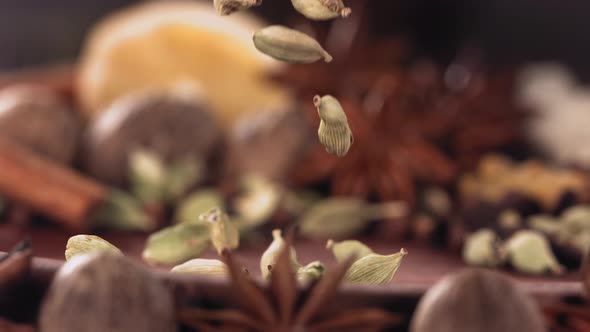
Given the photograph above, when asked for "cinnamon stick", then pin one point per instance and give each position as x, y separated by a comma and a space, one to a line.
48, 187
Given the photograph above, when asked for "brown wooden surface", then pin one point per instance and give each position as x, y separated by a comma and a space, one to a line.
423, 266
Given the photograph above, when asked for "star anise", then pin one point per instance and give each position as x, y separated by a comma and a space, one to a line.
282, 307
410, 127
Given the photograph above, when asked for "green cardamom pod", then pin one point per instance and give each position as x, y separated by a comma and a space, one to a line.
529, 252
124, 212
196, 204
546, 224
176, 244
320, 10
271, 254
289, 45
343, 250
180, 176
310, 272
200, 266
483, 248
259, 200
83, 244
576, 218
227, 7
334, 132
342, 217
224, 234
375, 269
147, 175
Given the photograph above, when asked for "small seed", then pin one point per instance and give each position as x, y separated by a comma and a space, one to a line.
227, 7
289, 45
320, 10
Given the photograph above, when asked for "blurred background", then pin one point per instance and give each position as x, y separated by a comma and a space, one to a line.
34, 32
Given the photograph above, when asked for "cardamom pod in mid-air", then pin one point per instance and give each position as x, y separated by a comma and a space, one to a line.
227, 7
334, 132
289, 45
320, 10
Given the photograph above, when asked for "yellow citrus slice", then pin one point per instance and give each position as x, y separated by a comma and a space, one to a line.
167, 44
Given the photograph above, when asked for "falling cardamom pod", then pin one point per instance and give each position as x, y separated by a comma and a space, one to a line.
200, 266
375, 269
482, 248
83, 244
176, 244
342, 217
124, 212
310, 272
227, 7
289, 45
146, 174
334, 132
529, 252
259, 200
223, 233
196, 204
343, 250
320, 10
271, 254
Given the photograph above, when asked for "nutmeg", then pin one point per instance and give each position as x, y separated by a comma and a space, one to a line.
105, 292
171, 126
39, 119
476, 300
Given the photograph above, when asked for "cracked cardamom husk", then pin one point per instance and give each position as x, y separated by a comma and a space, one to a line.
176, 244
529, 252
102, 292
223, 233
196, 204
375, 269
483, 248
271, 254
343, 250
342, 217
289, 45
320, 10
310, 272
124, 212
201, 266
228, 7
83, 244
334, 132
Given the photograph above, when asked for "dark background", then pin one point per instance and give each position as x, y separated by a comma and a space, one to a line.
34, 32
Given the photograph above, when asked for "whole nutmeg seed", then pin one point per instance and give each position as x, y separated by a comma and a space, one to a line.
170, 126
39, 119
105, 292
476, 300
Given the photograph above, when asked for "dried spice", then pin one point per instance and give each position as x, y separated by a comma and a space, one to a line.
106, 292
334, 132
321, 10
196, 204
476, 300
172, 128
289, 45
123, 211
223, 233
258, 201
271, 254
202, 267
37, 118
437, 201
310, 272
176, 244
483, 248
227, 7
343, 217
375, 269
84, 244
510, 220
529, 252
283, 308
348, 248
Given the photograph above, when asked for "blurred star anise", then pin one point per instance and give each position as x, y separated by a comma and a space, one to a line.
283, 308
417, 124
